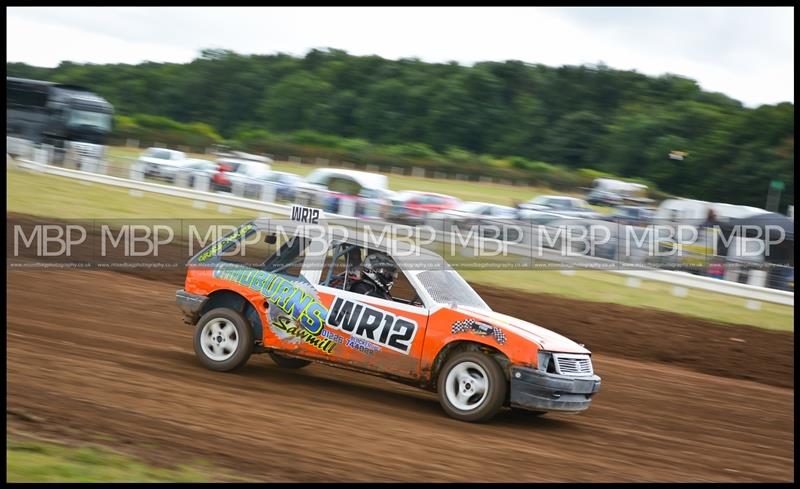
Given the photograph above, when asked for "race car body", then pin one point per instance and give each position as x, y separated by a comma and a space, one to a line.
300, 304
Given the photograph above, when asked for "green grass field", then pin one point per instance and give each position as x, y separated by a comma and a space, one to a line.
58, 197
36, 461
65, 198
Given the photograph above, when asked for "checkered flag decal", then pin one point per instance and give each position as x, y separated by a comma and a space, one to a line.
472, 325
461, 326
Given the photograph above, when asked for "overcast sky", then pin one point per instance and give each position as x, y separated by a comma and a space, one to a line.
746, 53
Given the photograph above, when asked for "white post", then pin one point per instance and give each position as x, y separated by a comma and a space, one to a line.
102, 165
137, 171
731, 274
48, 153
90, 164
182, 178
268, 192
40, 158
757, 278
347, 207
202, 182
237, 188
71, 159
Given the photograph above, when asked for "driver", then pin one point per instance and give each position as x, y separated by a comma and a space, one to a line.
378, 273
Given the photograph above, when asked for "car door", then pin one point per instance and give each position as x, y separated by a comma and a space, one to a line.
372, 333
416, 206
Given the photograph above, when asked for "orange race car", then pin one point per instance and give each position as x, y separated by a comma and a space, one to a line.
383, 307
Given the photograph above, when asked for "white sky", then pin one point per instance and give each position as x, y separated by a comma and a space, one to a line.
746, 53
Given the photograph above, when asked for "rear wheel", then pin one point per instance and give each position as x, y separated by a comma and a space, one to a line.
286, 362
471, 387
223, 340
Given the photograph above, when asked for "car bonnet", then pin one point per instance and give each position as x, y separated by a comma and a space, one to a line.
546, 339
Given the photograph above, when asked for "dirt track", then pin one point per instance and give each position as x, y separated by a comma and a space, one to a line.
106, 353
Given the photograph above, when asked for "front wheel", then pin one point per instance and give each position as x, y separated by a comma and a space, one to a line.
472, 387
223, 340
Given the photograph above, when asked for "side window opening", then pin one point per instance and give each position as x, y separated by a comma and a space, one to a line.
267, 254
342, 270
342, 266
289, 258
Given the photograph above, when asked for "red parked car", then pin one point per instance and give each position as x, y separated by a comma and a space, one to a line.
240, 167
411, 207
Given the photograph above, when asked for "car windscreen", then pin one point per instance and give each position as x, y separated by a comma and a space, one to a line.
504, 212
318, 178
471, 207
158, 153
447, 287
539, 201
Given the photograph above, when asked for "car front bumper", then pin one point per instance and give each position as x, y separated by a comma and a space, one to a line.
190, 304
535, 390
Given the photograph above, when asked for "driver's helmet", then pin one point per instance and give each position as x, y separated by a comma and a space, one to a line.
381, 269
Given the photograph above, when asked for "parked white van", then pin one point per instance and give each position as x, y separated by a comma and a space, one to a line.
690, 211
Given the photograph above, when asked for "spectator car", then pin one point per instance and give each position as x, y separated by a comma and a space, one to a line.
559, 204
604, 197
341, 191
434, 332
469, 213
411, 207
374, 202
232, 170
632, 215
190, 167
161, 162
538, 218
285, 184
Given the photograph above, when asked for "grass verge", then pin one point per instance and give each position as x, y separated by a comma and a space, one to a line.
36, 461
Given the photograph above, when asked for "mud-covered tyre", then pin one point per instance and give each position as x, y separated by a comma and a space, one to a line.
223, 340
471, 387
286, 362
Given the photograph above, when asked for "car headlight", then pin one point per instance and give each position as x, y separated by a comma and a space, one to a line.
546, 362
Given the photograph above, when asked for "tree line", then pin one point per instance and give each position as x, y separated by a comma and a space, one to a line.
527, 116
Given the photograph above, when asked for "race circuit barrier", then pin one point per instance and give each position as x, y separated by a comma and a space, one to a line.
688, 280
226, 201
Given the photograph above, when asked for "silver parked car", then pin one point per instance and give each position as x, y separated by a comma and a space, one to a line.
161, 162
560, 204
285, 184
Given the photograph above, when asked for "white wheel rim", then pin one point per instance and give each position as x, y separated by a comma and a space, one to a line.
219, 339
467, 386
